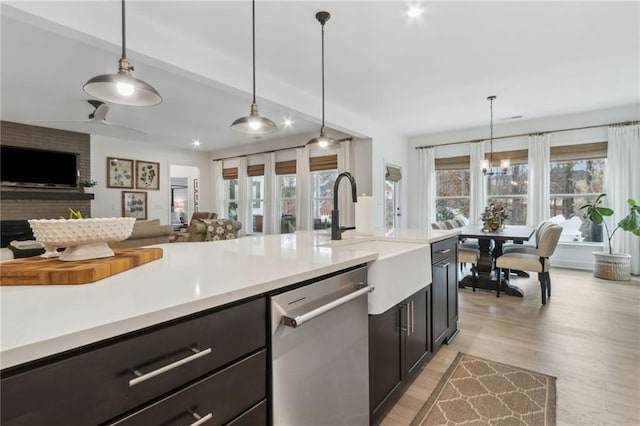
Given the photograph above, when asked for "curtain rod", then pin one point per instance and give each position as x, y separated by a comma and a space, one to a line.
274, 150
624, 123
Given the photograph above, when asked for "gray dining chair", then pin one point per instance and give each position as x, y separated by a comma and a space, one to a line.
538, 262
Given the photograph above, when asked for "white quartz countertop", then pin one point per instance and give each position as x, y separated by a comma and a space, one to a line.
38, 321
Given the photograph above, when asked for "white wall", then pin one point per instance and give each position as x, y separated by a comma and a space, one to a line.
108, 201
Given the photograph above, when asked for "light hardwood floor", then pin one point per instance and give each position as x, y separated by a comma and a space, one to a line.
588, 336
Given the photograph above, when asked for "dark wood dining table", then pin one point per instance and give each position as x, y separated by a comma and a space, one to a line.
488, 277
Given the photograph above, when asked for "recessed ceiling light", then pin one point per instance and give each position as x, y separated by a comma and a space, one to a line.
415, 11
196, 143
287, 122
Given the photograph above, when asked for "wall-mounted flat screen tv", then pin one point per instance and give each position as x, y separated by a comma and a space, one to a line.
38, 168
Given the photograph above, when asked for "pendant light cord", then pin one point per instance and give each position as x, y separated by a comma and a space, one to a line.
253, 29
491, 127
322, 26
124, 40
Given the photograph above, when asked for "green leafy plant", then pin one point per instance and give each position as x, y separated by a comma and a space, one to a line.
88, 183
74, 214
596, 213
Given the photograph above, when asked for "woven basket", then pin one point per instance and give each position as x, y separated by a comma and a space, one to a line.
615, 266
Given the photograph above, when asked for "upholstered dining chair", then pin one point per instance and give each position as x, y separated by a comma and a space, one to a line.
527, 248
469, 255
538, 262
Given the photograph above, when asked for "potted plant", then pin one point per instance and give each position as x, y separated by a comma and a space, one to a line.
610, 265
87, 184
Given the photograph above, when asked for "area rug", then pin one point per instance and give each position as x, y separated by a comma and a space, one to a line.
477, 391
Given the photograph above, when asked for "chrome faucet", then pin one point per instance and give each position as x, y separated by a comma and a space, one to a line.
336, 229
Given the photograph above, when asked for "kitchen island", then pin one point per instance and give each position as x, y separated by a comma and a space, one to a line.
40, 322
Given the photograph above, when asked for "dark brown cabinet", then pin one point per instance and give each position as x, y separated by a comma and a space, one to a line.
220, 352
444, 291
399, 344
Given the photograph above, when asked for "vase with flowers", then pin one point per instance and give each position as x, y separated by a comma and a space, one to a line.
493, 217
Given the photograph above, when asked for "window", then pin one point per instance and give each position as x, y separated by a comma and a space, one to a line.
452, 193
231, 198
256, 201
322, 197
287, 203
324, 171
574, 183
392, 178
510, 189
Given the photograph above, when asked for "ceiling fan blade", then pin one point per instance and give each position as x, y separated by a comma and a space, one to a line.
100, 113
58, 121
108, 123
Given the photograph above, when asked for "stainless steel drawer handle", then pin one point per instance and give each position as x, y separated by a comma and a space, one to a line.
143, 377
308, 316
445, 251
200, 419
442, 265
412, 317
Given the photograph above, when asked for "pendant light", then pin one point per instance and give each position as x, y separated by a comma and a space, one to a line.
487, 165
253, 124
323, 141
122, 88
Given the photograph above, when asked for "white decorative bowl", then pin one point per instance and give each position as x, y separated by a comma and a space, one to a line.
83, 238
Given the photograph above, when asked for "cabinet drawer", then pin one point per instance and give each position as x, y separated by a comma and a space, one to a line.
96, 385
442, 250
218, 398
256, 416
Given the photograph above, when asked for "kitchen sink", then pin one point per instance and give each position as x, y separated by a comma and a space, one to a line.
400, 270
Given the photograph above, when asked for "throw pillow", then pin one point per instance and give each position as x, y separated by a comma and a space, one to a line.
218, 229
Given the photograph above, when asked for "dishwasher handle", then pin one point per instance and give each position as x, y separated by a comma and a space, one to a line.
308, 316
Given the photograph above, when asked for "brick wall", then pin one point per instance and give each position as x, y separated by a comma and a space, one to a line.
16, 134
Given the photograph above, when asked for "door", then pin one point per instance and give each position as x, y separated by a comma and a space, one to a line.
418, 339
393, 175
385, 362
439, 301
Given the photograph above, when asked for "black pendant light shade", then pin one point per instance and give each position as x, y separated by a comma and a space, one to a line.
253, 124
323, 141
122, 88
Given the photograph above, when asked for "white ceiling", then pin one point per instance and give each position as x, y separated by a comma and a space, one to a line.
414, 77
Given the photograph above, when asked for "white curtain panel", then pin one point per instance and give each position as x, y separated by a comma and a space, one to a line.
623, 182
538, 185
218, 189
478, 187
271, 220
427, 187
244, 205
345, 201
303, 188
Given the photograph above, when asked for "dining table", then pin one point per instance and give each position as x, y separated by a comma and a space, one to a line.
490, 244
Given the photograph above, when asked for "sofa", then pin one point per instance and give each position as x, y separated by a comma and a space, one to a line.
145, 233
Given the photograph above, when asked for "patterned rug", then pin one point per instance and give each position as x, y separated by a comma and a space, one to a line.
476, 391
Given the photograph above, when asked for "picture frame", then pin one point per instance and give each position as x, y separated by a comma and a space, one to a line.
147, 175
134, 204
120, 173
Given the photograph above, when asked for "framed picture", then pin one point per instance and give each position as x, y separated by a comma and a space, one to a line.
119, 173
147, 175
134, 204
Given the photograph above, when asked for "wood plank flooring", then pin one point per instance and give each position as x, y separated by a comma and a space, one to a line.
588, 336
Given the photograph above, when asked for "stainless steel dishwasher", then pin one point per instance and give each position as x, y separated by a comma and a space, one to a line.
320, 352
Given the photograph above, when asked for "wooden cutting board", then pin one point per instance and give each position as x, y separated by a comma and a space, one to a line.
39, 271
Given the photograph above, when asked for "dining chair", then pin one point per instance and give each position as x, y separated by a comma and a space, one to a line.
527, 248
538, 262
469, 255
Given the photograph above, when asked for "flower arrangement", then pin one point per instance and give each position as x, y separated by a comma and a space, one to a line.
493, 217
